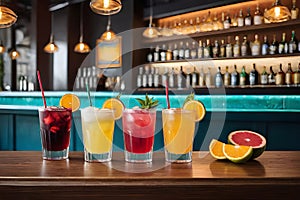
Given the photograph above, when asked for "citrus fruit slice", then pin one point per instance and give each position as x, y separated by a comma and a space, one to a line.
248, 138
237, 154
116, 105
196, 106
70, 101
216, 149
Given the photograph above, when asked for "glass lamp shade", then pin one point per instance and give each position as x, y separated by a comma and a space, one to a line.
51, 47
150, 32
14, 54
278, 13
7, 17
82, 47
108, 35
2, 48
106, 7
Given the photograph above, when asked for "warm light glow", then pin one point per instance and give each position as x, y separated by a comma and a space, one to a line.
150, 32
108, 35
7, 17
2, 49
51, 48
14, 54
106, 3
277, 11
82, 48
106, 7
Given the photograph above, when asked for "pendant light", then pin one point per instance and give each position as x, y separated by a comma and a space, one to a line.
14, 54
277, 13
151, 32
2, 47
81, 47
108, 34
106, 7
51, 47
7, 17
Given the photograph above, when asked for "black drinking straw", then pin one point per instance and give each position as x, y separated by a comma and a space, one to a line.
88, 92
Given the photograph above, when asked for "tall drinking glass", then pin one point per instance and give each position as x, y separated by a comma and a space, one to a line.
55, 126
178, 131
138, 130
98, 130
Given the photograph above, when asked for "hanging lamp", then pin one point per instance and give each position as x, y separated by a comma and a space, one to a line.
106, 7
108, 34
51, 47
14, 54
150, 32
7, 17
277, 13
81, 47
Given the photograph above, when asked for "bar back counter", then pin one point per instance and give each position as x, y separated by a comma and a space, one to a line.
274, 116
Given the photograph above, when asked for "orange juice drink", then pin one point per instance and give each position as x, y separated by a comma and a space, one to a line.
178, 131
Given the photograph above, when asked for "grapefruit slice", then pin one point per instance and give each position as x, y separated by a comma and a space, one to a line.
249, 138
216, 149
237, 154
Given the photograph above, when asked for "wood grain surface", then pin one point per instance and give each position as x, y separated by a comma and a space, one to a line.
274, 175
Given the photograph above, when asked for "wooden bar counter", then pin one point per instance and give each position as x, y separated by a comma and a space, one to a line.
24, 175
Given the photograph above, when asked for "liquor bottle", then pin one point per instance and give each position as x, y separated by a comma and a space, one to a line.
273, 49
264, 77
193, 51
187, 51
187, 79
156, 78
245, 48
207, 50
145, 77
293, 43
228, 48
226, 77
296, 76
150, 78
243, 77
227, 22
218, 78
283, 45
200, 50
294, 11
169, 55
289, 75
198, 24
223, 49
248, 18
234, 80
156, 56
195, 78
257, 19
150, 54
236, 47
240, 19
279, 78
164, 77
171, 78
265, 46
139, 78
216, 49
253, 76
271, 77
179, 79
175, 52
181, 51
208, 78
202, 78
163, 53
255, 46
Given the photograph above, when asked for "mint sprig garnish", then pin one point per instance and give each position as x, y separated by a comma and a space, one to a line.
189, 98
148, 103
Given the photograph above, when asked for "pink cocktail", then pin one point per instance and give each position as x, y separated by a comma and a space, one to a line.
138, 129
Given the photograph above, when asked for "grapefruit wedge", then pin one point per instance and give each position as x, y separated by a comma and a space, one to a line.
248, 138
